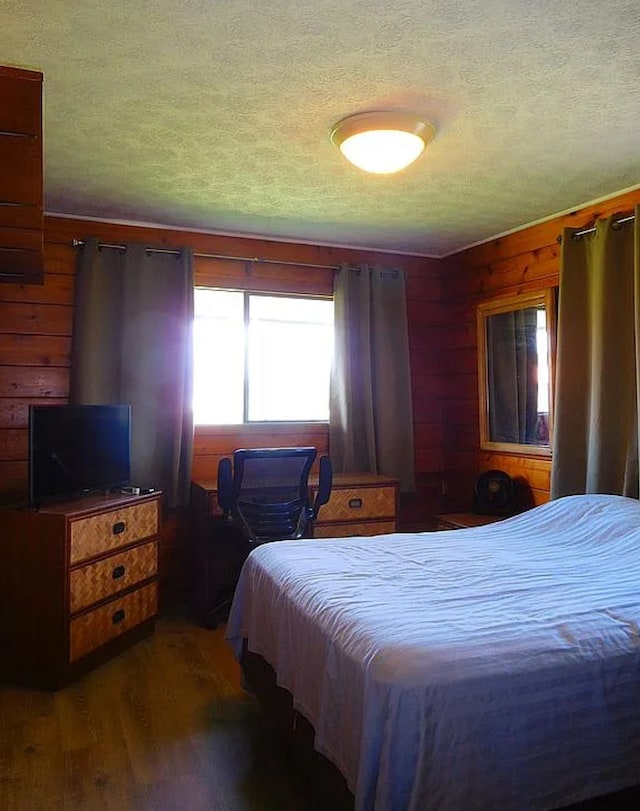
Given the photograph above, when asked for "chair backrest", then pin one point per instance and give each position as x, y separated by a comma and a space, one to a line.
268, 492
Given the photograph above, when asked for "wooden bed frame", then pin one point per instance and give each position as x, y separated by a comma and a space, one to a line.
327, 786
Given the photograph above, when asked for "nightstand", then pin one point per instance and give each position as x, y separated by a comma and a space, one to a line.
465, 520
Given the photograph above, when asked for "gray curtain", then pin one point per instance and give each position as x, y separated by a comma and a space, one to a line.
512, 370
595, 442
132, 344
371, 422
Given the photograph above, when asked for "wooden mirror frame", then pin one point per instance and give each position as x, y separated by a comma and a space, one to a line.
522, 301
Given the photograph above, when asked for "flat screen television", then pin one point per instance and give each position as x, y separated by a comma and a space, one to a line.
77, 449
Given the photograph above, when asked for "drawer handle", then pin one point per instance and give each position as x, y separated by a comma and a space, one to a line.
119, 528
355, 503
117, 618
118, 572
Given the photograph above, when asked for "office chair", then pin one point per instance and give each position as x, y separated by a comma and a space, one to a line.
264, 497
268, 493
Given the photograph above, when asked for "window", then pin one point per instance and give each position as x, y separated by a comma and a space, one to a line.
261, 358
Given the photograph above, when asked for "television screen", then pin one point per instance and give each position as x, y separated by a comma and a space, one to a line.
76, 449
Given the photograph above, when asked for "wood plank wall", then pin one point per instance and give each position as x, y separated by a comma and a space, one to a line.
522, 261
35, 339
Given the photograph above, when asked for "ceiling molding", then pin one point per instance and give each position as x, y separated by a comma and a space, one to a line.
573, 210
239, 235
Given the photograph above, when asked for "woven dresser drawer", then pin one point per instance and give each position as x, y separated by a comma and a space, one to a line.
111, 530
94, 629
359, 504
96, 581
346, 530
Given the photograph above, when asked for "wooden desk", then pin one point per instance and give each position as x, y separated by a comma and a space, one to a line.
360, 504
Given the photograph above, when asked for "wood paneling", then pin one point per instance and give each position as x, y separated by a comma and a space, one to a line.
39, 381
424, 286
35, 350
21, 176
36, 319
520, 262
212, 443
36, 324
35, 345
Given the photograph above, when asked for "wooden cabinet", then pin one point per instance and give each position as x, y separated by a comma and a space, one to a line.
21, 173
465, 520
78, 583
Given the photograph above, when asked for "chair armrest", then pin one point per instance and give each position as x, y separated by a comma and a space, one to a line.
225, 485
325, 482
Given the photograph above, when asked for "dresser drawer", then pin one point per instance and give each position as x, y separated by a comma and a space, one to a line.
96, 581
92, 630
111, 530
346, 530
359, 504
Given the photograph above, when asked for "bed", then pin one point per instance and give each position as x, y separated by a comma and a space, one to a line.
494, 667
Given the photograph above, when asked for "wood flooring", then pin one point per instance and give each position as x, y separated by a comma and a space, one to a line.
164, 726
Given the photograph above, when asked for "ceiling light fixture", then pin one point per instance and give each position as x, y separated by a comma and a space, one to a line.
382, 142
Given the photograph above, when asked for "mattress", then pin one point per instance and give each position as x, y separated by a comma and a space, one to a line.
493, 667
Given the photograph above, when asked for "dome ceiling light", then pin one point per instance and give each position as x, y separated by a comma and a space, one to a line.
382, 142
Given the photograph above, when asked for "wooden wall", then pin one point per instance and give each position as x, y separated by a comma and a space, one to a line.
36, 323
523, 261
35, 339
423, 294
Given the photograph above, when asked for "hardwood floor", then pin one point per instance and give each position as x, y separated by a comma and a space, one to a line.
164, 726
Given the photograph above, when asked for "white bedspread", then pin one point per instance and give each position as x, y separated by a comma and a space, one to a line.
490, 668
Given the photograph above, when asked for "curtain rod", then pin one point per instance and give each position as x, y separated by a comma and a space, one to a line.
78, 243
592, 228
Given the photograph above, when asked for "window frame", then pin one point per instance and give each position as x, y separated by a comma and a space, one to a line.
247, 294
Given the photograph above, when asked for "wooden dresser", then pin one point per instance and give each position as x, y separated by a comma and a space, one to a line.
21, 184
78, 584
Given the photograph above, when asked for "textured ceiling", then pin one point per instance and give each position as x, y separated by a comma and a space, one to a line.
215, 114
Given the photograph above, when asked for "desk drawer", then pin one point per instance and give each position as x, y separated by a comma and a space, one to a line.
346, 530
90, 631
96, 581
111, 530
359, 504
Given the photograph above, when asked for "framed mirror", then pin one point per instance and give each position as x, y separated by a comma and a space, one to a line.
516, 341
